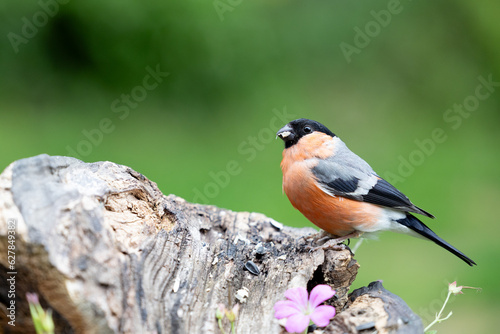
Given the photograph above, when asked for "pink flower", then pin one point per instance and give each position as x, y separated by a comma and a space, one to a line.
453, 288
32, 298
301, 310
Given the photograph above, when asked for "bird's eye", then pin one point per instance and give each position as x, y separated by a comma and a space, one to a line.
307, 129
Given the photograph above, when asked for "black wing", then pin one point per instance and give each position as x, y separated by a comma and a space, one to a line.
347, 175
385, 194
354, 184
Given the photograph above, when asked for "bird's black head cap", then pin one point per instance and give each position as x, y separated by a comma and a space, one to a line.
293, 131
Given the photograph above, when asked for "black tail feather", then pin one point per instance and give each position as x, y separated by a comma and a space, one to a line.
416, 225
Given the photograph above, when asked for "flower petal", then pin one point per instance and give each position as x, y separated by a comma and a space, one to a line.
298, 296
319, 294
297, 323
453, 288
322, 315
285, 309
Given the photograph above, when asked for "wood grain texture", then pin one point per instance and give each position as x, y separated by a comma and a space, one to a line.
109, 253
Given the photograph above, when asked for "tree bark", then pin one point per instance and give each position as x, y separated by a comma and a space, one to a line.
109, 253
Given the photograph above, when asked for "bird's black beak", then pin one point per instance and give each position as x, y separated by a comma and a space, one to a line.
286, 133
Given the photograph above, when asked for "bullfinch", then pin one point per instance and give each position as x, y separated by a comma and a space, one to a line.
340, 193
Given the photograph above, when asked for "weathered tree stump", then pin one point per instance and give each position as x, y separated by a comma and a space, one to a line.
109, 253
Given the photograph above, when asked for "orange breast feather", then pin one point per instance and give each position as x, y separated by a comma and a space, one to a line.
334, 214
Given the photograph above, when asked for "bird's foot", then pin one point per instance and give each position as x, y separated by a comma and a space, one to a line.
332, 244
326, 241
320, 237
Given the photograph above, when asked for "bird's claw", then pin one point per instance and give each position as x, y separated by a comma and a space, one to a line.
327, 246
327, 241
321, 236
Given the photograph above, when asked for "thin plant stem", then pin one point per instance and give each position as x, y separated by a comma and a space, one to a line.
356, 246
233, 330
438, 316
220, 326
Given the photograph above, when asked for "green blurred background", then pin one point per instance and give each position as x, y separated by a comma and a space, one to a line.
238, 70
